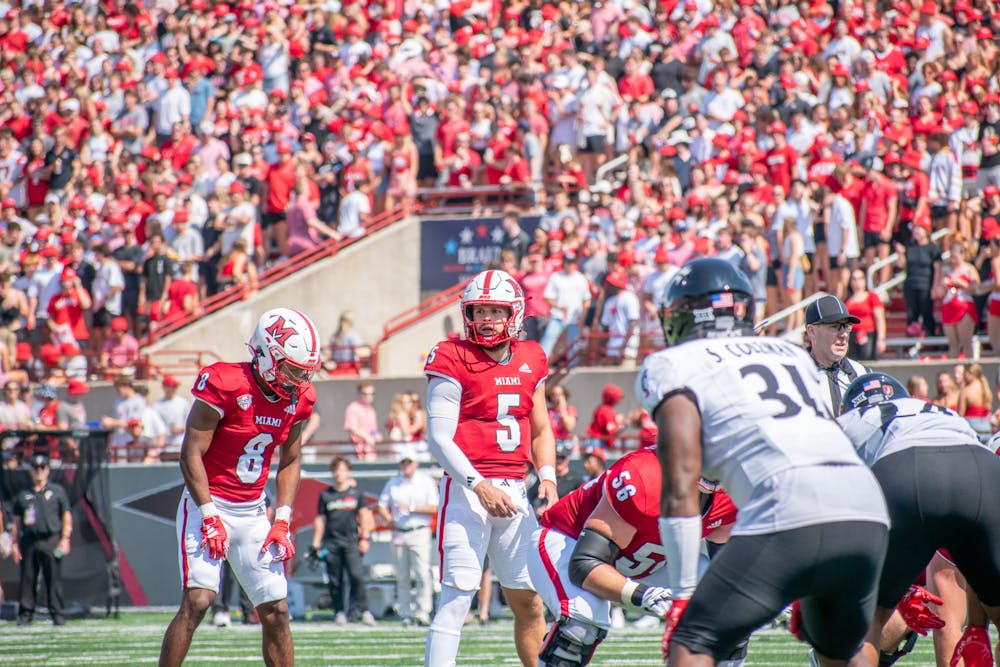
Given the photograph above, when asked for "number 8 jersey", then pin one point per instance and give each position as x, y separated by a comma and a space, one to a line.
765, 436
252, 425
494, 427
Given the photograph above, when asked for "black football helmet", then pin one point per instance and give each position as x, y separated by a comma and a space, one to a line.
872, 389
707, 298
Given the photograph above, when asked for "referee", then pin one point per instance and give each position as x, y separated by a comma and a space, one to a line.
41, 530
828, 329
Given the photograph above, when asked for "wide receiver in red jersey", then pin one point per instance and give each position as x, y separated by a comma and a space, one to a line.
485, 408
601, 543
244, 410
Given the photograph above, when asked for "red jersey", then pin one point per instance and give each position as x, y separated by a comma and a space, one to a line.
632, 487
239, 458
494, 426
878, 193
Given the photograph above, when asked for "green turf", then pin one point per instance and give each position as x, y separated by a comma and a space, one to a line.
134, 639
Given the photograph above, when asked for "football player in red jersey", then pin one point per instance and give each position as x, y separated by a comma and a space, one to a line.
601, 543
486, 419
242, 412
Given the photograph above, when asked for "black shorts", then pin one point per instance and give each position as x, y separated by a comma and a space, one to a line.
425, 167
847, 263
269, 219
938, 212
773, 270
812, 263
102, 318
941, 497
595, 143
873, 240
819, 232
902, 234
833, 568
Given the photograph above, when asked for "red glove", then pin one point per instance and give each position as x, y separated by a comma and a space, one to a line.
795, 621
278, 535
915, 612
673, 618
214, 537
974, 648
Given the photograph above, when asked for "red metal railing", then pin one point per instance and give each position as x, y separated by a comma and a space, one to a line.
239, 292
410, 316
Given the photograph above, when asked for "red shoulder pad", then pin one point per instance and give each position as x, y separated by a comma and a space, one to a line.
443, 361
632, 487
211, 386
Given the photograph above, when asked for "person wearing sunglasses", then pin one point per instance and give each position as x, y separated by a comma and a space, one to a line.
828, 330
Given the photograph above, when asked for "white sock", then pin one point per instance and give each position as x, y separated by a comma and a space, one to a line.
446, 629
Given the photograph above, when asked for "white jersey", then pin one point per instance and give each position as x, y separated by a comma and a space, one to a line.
765, 436
886, 428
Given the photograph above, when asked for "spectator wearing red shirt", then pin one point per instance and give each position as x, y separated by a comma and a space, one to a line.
606, 423
277, 191
914, 207
867, 339
635, 84
747, 31
453, 125
782, 160
877, 216
66, 310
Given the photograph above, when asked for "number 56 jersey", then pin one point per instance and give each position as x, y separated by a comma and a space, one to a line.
494, 425
765, 436
252, 425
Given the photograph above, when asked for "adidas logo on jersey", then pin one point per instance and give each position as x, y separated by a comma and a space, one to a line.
244, 401
290, 408
507, 382
525, 368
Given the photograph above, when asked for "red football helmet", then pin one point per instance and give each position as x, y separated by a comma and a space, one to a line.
495, 288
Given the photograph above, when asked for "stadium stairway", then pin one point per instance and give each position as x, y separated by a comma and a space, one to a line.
376, 277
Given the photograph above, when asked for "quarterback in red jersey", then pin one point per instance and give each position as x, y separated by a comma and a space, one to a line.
486, 419
242, 412
619, 513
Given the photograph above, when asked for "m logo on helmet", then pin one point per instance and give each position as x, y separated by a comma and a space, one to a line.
279, 331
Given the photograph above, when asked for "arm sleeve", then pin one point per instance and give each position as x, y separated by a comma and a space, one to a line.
443, 402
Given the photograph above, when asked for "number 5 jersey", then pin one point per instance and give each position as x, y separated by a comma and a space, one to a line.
252, 425
494, 425
765, 436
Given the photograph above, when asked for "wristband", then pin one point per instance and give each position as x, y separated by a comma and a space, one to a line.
632, 592
547, 473
283, 513
208, 509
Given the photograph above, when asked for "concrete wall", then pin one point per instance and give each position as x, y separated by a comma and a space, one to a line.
405, 352
376, 278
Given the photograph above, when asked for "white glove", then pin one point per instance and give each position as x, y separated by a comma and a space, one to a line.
657, 600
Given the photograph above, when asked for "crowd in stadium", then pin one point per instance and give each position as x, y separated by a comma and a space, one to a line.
153, 155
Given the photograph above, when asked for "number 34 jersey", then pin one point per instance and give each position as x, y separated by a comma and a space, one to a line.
494, 425
765, 436
252, 425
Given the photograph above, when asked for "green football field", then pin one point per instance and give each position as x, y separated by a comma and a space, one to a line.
134, 639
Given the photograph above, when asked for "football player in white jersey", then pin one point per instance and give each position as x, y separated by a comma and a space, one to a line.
942, 487
812, 523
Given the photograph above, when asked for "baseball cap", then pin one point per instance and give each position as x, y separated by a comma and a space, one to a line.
827, 310
170, 381
46, 391
133, 422
119, 324
598, 452
76, 387
564, 450
39, 461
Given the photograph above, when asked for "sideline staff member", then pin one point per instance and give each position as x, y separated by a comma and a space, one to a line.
42, 528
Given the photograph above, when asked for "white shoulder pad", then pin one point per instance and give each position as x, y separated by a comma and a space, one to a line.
658, 377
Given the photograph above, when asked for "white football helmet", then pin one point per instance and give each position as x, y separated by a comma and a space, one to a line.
493, 288
285, 351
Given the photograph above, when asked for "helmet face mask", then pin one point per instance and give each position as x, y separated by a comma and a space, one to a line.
707, 298
493, 288
285, 351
